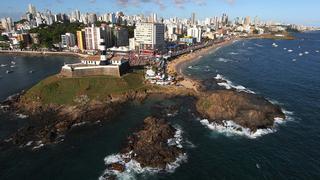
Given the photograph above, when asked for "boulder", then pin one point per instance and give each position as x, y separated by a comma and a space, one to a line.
248, 110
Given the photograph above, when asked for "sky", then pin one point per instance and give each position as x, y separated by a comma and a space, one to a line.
304, 12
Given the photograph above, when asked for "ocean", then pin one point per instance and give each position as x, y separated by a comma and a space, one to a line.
288, 75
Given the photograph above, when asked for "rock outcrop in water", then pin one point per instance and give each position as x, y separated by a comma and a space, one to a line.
48, 123
245, 109
152, 146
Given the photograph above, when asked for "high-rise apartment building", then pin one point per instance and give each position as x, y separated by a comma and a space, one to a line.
150, 35
92, 35
81, 40
193, 18
195, 32
68, 40
32, 9
7, 24
121, 37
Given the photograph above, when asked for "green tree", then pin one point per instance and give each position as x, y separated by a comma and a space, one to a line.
4, 38
22, 45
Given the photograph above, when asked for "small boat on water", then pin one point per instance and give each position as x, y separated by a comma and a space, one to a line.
306, 52
284, 48
317, 51
12, 66
301, 54
3, 65
294, 60
275, 45
290, 50
12, 62
9, 71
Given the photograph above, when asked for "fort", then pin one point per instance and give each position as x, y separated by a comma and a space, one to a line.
97, 65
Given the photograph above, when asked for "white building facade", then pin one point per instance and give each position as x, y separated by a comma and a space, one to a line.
150, 35
195, 32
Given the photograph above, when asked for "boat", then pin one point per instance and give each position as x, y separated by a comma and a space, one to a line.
306, 52
12, 62
317, 51
290, 50
275, 45
294, 60
301, 54
9, 71
284, 48
3, 65
12, 66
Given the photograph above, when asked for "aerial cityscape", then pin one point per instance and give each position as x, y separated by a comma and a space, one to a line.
159, 89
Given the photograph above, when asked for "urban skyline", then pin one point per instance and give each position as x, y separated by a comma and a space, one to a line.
180, 8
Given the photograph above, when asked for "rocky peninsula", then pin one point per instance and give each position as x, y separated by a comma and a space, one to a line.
54, 108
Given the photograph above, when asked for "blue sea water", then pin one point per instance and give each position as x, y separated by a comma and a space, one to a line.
292, 152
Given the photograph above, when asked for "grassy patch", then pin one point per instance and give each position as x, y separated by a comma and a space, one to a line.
58, 90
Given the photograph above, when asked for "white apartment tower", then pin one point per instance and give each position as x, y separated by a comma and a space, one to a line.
92, 35
7, 24
32, 9
195, 32
150, 35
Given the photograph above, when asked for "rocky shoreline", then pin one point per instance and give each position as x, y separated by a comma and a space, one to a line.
48, 124
154, 147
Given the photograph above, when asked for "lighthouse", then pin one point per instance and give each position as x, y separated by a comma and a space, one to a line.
103, 52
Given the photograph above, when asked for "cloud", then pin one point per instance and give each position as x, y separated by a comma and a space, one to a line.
161, 3
230, 1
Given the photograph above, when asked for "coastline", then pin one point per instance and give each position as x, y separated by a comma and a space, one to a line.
176, 66
41, 53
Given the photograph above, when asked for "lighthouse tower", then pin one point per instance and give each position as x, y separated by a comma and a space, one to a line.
103, 52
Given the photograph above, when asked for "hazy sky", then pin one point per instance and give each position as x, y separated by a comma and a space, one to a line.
290, 11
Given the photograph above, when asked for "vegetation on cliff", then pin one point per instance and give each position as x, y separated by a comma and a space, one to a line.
65, 91
50, 34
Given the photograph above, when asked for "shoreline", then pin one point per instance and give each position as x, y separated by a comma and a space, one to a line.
176, 66
42, 53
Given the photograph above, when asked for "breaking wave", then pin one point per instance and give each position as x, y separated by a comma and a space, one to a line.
224, 60
230, 128
133, 168
229, 85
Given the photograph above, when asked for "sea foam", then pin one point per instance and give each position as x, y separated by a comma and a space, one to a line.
230, 128
229, 85
224, 60
133, 168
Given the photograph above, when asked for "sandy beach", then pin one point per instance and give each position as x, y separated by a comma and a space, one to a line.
175, 67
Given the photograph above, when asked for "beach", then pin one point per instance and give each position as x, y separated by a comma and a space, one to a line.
176, 66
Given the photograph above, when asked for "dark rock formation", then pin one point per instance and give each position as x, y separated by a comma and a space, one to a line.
47, 123
248, 110
149, 146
